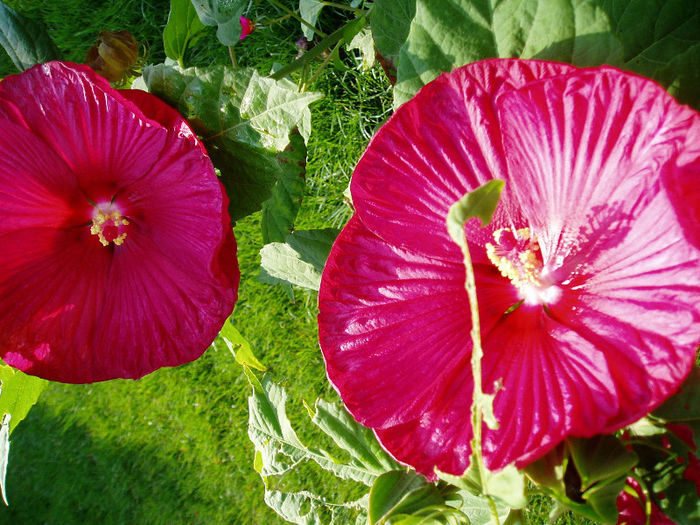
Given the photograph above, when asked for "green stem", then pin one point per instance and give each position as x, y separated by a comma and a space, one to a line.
232, 54
331, 40
316, 74
477, 354
343, 6
296, 16
274, 20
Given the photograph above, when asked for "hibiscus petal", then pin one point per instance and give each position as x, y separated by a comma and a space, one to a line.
432, 151
80, 117
394, 329
609, 132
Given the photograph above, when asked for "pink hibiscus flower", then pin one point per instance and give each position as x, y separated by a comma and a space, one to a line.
588, 285
247, 27
117, 255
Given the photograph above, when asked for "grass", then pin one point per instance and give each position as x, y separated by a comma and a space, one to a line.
172, 447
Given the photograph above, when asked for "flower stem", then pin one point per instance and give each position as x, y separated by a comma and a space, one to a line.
232, 54
274, 20
343, 6
297, 17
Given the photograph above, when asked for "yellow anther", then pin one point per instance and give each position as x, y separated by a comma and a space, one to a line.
109, 227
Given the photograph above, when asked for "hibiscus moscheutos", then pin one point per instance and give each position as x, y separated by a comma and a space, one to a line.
117, 255
588, 286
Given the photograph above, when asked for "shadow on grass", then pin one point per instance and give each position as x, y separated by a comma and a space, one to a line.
59, 472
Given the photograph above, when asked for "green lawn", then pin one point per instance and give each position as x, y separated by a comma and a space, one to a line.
172, 447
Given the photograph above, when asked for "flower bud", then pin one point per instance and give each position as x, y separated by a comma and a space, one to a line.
115, 55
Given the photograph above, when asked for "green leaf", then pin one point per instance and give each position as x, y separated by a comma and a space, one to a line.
309, 11
506, 486
444, 35
363, 42
225, 14
274, 438
390, 21
299, 260
26, 42
280, 211
600, 458
661, 40
306, 508
239, 347
18, 393
477, 509
4, 452
480, 203
684, 405
244, 119
183, 28
358, 441
400, 492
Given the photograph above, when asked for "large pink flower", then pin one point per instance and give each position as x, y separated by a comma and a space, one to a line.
588, 283
117, 255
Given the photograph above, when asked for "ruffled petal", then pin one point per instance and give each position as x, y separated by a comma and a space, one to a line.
432, 151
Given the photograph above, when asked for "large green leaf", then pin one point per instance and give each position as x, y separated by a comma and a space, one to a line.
444, 35
245, 121
299, 260
280, 211
661, 40
390, 21
18, 393
225, 15
26, 41
183, 28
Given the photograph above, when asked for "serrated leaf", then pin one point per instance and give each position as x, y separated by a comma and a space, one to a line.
18, 393
306, 508
390, 21
309, 11
280, 211
244, 119
356, 440
25, 41
239, 347
444, 35
183, 28
273, 436
225, 15
299, 260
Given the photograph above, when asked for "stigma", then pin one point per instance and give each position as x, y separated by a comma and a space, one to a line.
517, 256
109, 226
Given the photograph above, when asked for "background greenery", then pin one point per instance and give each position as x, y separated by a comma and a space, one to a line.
173, 447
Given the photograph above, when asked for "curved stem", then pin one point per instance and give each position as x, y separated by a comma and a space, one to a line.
297, 17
